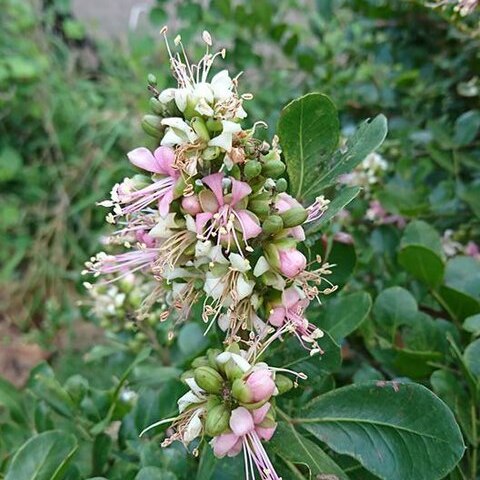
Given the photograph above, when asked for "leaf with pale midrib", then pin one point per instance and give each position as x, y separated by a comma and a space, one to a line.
396, 431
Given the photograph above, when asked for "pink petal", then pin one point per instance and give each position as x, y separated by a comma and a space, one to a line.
142, 158
250, 228
277, 317
208, 201
201, 220
265, 433
285, 202
240, 190
290, 297
223, 444
236, 449
214, 181
298, 233
164, 203
165, 157
241, 421
260, 413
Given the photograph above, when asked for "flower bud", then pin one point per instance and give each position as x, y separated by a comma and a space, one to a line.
281, 185
200, 128
272, 225
214, 125
152, 79
294, 217
200, 362
252, 169
241, 392
273, 168
217, 421
210, 153
232, 370
208, 379
292, 262
156, 106
191, 205
152, 125
212, 355
283, 383
261, 384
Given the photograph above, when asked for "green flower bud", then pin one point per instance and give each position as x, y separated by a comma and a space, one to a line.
294, 217
208, 379
187, 374
283, 383
212, 401
152, 125
210, 153
281, 185
254, 406
152, 79
259, 207
241, 392
200, 362
214, 125
200, 128
179, 187
273, 168
272, 225
156, 106
212, 355
217, 421
235, 172
233, 371
252, 169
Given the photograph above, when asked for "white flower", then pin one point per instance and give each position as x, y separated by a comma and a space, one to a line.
213, 286
194, 427
244, 287
224, 357
239, 263
261, 267
178, 133
164, 226
224, 140
222, 86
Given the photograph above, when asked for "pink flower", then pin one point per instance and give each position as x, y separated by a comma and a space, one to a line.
161, 163
376, 212
472, 250
247, 433
226, 214
292, 262
285, 202
261, 384
289, 316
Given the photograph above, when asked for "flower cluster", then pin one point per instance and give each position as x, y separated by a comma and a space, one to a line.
463, 7
210, 219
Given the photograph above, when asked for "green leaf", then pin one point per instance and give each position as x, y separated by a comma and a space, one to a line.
309, 132
11, 399
460, 305
421, 253
369, 136
463, 274
472, 324
471, 357
191, 339
467, 127
394, 307
43, 457
339, 202
293, 448
155, 473
394, 430
342, 315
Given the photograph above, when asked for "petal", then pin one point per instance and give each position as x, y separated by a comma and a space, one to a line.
165, 157
230, 127
290, 297
194, 427
241, 421
239, 263
250, 228
223, 444
142, 158
164, 203
222, 85
277, 317
244, 287
265, 433
201, 220
298, 233
240, 190
214, 181
260, 413
208, 201
261, 267
223, 141
236, 449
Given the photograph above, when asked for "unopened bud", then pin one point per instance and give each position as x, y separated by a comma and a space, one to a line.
212, 355
200, 362
152, 125
232, 370
186, 374
210, 153
214, 125
179, 187
156, 106
252, 169
200, 128
272, 225
283, 383
259, 207
281, 185
294, 217
217, 421
152, 79
241, 392
208, 379
273, 168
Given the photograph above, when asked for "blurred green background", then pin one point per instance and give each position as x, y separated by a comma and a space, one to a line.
73, 91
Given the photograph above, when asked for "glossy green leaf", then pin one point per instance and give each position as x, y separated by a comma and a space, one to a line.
44, 457
155, 473
472, 324
472, 358
295, 449
394, 430
309, 132
341, 316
